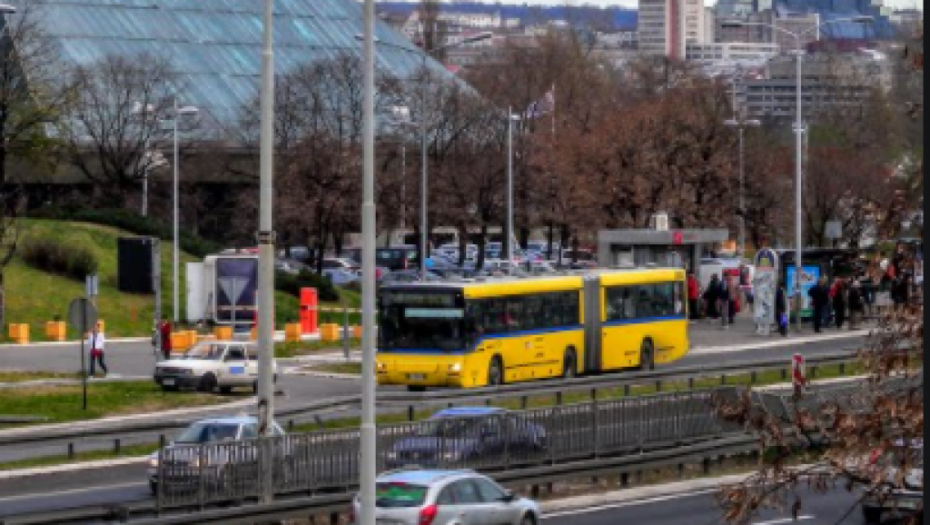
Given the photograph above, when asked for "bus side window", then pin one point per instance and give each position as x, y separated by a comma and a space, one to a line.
494, 316
515, 313
533, 312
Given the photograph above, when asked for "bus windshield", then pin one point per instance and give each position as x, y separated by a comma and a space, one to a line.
421, 321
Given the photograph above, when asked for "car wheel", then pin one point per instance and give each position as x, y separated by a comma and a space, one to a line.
496, 372
647, 359
255, 388
207, 383
167, 388
153, 486
529, 519
226, 389
416, 388
872, 515
568, 368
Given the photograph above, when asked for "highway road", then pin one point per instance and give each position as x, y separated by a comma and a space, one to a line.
701, 509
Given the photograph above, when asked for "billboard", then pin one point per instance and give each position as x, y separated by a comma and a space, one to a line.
809, 277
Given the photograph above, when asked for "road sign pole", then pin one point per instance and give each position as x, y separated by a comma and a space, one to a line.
83, 373
83, 316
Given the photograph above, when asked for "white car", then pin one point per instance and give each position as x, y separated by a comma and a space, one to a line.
210, 365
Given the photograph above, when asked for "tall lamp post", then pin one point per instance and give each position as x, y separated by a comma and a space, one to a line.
511, 118
177, 114
799, 241
424, 176
741, 124
266, 239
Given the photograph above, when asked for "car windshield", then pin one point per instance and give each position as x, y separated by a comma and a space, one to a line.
399, 495
213, 352
207, 433
448, 427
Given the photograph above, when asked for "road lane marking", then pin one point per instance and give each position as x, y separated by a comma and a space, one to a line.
643, 501
75, 491
784, 520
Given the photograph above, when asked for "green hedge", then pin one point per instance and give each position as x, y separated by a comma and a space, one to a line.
131, 222
76, 262
293, 283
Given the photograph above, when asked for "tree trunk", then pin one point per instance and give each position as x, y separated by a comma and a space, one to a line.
463, 244
479, 263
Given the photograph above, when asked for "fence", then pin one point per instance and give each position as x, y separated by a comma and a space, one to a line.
201, 475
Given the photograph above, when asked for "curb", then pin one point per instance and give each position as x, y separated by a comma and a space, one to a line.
70, 467
72, 382
14, 346
782, 341
325, 375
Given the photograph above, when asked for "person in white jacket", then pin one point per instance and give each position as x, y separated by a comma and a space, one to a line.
95, 342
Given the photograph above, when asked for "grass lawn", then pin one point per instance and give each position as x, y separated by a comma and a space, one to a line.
339, 368
79, 457
21, 376
294, 349
34, 296
64, 403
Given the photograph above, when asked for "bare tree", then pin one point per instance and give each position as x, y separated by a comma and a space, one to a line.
32, 98
115, 119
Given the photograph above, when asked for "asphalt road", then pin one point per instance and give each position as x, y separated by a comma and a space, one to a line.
702, 509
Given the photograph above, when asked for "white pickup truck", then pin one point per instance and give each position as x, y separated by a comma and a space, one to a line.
210, 365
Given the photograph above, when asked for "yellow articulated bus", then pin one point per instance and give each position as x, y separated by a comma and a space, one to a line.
480, 332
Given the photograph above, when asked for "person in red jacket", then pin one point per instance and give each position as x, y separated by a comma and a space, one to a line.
693, 294
164, 332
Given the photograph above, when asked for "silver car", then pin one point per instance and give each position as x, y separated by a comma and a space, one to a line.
446, 497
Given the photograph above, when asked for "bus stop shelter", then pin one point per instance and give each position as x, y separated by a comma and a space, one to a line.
681, 248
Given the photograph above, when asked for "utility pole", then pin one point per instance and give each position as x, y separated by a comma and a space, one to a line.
368, 459
266, 239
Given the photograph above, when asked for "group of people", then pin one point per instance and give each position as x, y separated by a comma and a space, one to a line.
719, 298
837, 302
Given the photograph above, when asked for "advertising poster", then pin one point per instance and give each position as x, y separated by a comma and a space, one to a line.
764, 286
809, 276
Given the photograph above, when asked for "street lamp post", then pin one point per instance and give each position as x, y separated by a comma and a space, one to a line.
741, 124
799, 241
178, 112
266, 239
368, 456
424, 172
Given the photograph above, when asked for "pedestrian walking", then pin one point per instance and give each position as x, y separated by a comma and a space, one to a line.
820, 300
164, 332
693, 295
733, 297
838, 301
95, 342
781, 311
710, 297
856, 303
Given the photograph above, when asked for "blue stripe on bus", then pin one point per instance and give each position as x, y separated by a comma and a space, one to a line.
620, 322
522, 333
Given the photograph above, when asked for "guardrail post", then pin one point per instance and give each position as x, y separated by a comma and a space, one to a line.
558, 398
752, 377
626, 390
625, 479
201, 496
523, 402
691, 383
534, 491
705, 465
70, 450
658, 385
723, 379
334, 518
410, 413
784, 374
116, 445
814, 371
843, 368
161, 441
681, 470
595, 414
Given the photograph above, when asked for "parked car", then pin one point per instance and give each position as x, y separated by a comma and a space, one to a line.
394, 258
185, 468
445, 497
287, 266
578, 259
458, 435
340, 263
341, 276
210, 365
408, 276
900, 501
539, 267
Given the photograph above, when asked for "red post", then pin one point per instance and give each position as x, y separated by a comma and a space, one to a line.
308, 310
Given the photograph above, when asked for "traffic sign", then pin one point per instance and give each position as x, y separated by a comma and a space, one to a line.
82, 314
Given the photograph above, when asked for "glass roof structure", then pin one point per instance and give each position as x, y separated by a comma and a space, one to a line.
215, 45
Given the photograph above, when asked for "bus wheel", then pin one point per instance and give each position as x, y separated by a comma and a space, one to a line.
647, 356
568, 367
495, 372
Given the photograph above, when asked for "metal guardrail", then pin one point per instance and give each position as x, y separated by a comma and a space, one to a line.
200, 475
118, 433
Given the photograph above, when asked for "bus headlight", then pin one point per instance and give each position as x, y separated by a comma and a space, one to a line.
455, 368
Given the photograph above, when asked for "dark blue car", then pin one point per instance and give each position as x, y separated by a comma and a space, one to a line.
468, 436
